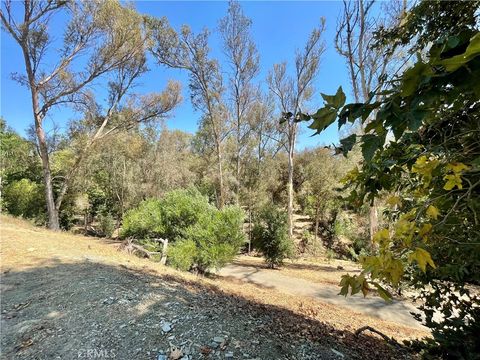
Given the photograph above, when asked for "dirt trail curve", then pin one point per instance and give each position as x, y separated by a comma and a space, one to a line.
69, 297
396, 311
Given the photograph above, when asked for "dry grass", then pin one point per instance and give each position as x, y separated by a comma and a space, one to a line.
23, 246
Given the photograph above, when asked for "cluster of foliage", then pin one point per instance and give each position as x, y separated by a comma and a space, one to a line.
430, 169
106, 224
114, 155
24, 198
202, 236
270, 235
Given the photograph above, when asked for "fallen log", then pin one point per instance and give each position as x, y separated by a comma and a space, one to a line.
130, 247
144, 251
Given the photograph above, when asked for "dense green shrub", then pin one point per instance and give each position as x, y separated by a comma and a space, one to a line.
182, 254
144, 221
168, 217
217, 236
24, 198
202, 237
181, 209
270, 235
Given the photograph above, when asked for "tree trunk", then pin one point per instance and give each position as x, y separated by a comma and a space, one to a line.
221, 199
237, 185
291, 151
53, 220
52, 210
249, 229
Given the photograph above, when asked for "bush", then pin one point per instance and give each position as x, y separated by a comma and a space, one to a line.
270, 235
182, 254
181, 209
144, 221
24, 198
202, 237
106, 224
168, 217
217, 236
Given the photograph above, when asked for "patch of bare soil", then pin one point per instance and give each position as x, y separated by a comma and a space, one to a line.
71, 297
321, 271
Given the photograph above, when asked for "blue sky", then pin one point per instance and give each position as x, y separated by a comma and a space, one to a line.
278, 29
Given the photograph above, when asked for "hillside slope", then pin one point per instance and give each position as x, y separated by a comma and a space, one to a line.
66, 296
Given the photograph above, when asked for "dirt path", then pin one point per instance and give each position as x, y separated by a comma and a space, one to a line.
74, 297
396, 311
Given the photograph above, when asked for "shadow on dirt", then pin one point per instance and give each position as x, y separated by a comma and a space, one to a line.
92, 310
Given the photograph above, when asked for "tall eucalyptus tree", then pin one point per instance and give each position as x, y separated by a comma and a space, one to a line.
101, 39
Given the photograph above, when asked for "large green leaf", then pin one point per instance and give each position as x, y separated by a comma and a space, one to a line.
323, 118
352, 112
376, 125
370, 144
336, 101
472, 51
413, 76
348, 143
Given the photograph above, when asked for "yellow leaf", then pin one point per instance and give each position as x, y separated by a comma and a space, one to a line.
404, 230
419, 164
457, 167
424, 167
452, 181
396, 271
424, 230
422, 257
432, 212
412, 214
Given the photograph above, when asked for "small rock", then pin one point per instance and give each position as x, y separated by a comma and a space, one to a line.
229, 355
176, 354
205, 350
340, 267
167, 327
162, 357
218, 339
109, 301
214, 345
338, 353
